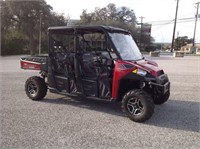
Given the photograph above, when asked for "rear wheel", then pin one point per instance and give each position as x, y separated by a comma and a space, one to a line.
35, 88
137, 105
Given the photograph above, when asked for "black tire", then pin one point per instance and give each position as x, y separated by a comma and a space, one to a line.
137, 105
35, 88
162, 99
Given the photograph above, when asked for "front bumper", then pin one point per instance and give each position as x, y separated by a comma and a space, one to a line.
161, 89
160, 84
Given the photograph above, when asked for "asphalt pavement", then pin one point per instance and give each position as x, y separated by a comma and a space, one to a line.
64, 122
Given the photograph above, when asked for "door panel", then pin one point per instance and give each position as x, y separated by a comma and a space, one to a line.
62, 83
90, 87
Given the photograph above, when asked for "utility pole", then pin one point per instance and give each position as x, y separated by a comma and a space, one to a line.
161, 45
177, 40
195, 26
141, 31
172, 46
40, 34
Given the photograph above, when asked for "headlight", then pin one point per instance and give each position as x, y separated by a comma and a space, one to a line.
140, 72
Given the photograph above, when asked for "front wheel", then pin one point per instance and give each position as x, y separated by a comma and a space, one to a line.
35, 88
137, 105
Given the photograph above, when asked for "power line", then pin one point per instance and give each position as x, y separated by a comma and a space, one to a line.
162, 25
164, 22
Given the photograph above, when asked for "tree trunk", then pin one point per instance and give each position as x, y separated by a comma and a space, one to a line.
32, 45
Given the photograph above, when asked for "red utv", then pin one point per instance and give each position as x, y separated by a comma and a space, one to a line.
102, 62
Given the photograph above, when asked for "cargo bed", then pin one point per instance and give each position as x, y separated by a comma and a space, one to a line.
34, 62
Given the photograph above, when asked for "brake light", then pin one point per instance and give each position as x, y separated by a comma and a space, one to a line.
30, 65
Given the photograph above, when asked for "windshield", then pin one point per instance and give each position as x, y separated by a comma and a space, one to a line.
126, 46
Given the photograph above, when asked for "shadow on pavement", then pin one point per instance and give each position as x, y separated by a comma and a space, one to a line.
174, 114
113, 108
177, 114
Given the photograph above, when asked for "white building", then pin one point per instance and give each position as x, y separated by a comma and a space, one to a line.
189, 48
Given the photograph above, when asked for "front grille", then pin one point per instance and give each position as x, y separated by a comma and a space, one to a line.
162, 79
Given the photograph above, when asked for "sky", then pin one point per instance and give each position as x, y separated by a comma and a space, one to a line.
160, 13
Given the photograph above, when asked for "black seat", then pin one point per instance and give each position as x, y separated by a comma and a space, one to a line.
87, 67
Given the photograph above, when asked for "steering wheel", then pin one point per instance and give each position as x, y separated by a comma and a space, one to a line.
105, 60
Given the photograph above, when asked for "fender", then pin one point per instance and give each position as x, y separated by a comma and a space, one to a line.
121, 69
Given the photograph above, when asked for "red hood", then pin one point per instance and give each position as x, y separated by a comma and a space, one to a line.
149, 66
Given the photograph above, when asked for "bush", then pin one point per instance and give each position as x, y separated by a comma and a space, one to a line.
14, 46
150, 48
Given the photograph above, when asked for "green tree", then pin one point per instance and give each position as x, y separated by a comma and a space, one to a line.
23, 17
111, 15
182, 41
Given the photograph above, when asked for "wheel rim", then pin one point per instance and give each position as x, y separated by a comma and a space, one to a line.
134, 106
32, 89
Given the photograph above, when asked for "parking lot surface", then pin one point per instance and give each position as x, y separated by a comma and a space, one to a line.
68, 122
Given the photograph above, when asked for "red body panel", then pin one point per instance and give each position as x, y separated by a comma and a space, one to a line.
121, 70
151, 62
30, 65
149, 66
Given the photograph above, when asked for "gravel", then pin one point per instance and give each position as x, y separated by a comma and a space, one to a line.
63, 122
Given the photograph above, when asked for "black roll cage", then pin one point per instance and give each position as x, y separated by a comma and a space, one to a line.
80, 30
